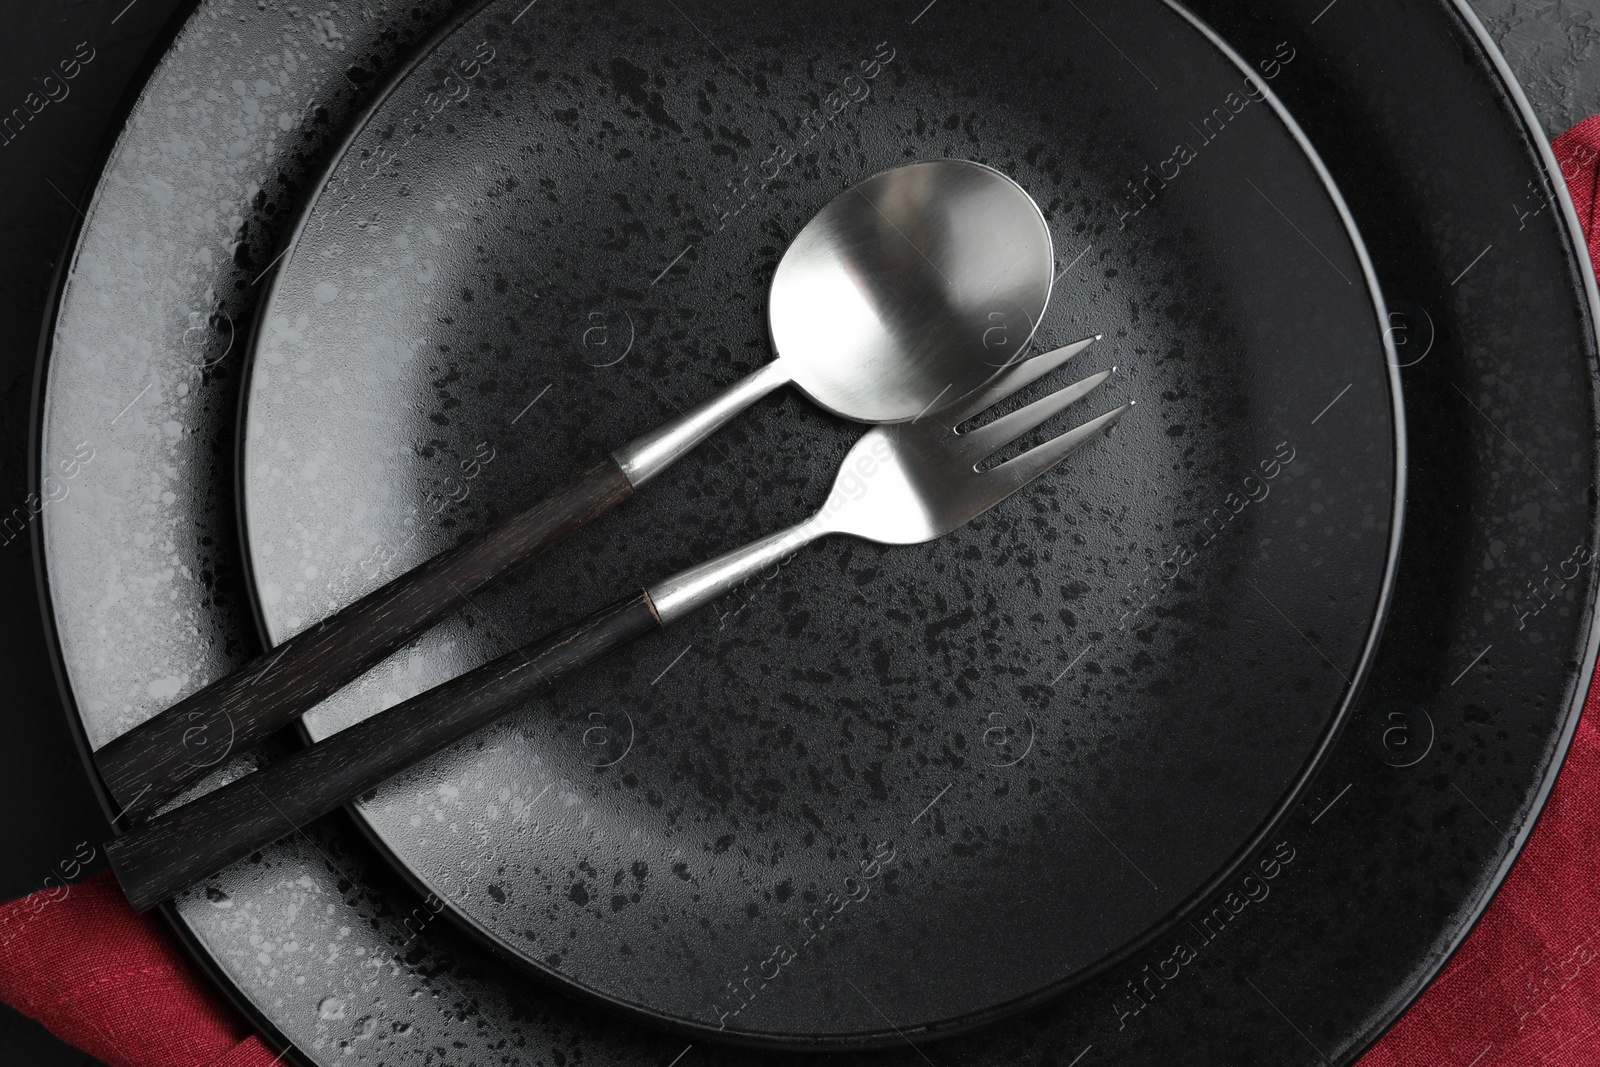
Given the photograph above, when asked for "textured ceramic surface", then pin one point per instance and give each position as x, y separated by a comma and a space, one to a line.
1383, 867
825, 806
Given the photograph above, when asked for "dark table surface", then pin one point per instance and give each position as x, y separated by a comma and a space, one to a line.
47, 805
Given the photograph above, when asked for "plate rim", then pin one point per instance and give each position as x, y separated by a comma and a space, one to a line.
1579, 248
138, 81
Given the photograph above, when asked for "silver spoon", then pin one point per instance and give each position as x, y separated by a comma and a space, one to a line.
906, 292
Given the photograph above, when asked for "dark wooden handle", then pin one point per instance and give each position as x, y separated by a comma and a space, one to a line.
177, 849
164, 755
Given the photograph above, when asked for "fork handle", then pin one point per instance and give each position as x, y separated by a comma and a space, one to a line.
177, 849
169, 752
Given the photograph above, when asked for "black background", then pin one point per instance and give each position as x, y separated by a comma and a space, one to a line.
47, 807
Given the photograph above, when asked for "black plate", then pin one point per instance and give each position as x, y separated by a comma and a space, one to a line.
1390, 865
820, 811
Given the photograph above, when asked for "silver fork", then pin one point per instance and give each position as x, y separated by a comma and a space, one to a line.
914, 482
900, 484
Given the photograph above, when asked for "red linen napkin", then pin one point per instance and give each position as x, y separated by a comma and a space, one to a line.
1578, 152
115, 983
1523, 991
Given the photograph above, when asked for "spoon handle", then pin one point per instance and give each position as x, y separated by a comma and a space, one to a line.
177, 849
167, 753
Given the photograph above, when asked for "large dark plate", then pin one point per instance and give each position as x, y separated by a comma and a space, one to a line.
823, 809
1390, 864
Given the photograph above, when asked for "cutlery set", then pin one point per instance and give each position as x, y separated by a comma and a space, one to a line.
704, 822
909, 301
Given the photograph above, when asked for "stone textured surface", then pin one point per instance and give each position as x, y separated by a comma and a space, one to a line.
1554, 47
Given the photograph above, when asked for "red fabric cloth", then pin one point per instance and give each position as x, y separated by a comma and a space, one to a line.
1523, 991
1578, 152
115, 983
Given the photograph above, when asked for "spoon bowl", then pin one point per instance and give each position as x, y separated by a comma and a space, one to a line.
910, 289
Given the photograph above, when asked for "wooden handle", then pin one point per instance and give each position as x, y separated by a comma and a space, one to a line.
164, 755
177, 849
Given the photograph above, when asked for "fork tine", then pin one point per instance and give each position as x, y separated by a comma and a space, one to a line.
986, 440
1011, 379
1013, 474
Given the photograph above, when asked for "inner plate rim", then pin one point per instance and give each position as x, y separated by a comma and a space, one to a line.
890, 1036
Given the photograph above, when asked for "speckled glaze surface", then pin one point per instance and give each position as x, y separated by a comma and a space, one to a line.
1381, 869
823, 808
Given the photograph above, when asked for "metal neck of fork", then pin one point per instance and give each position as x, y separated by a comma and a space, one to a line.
698, 586
649, 454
